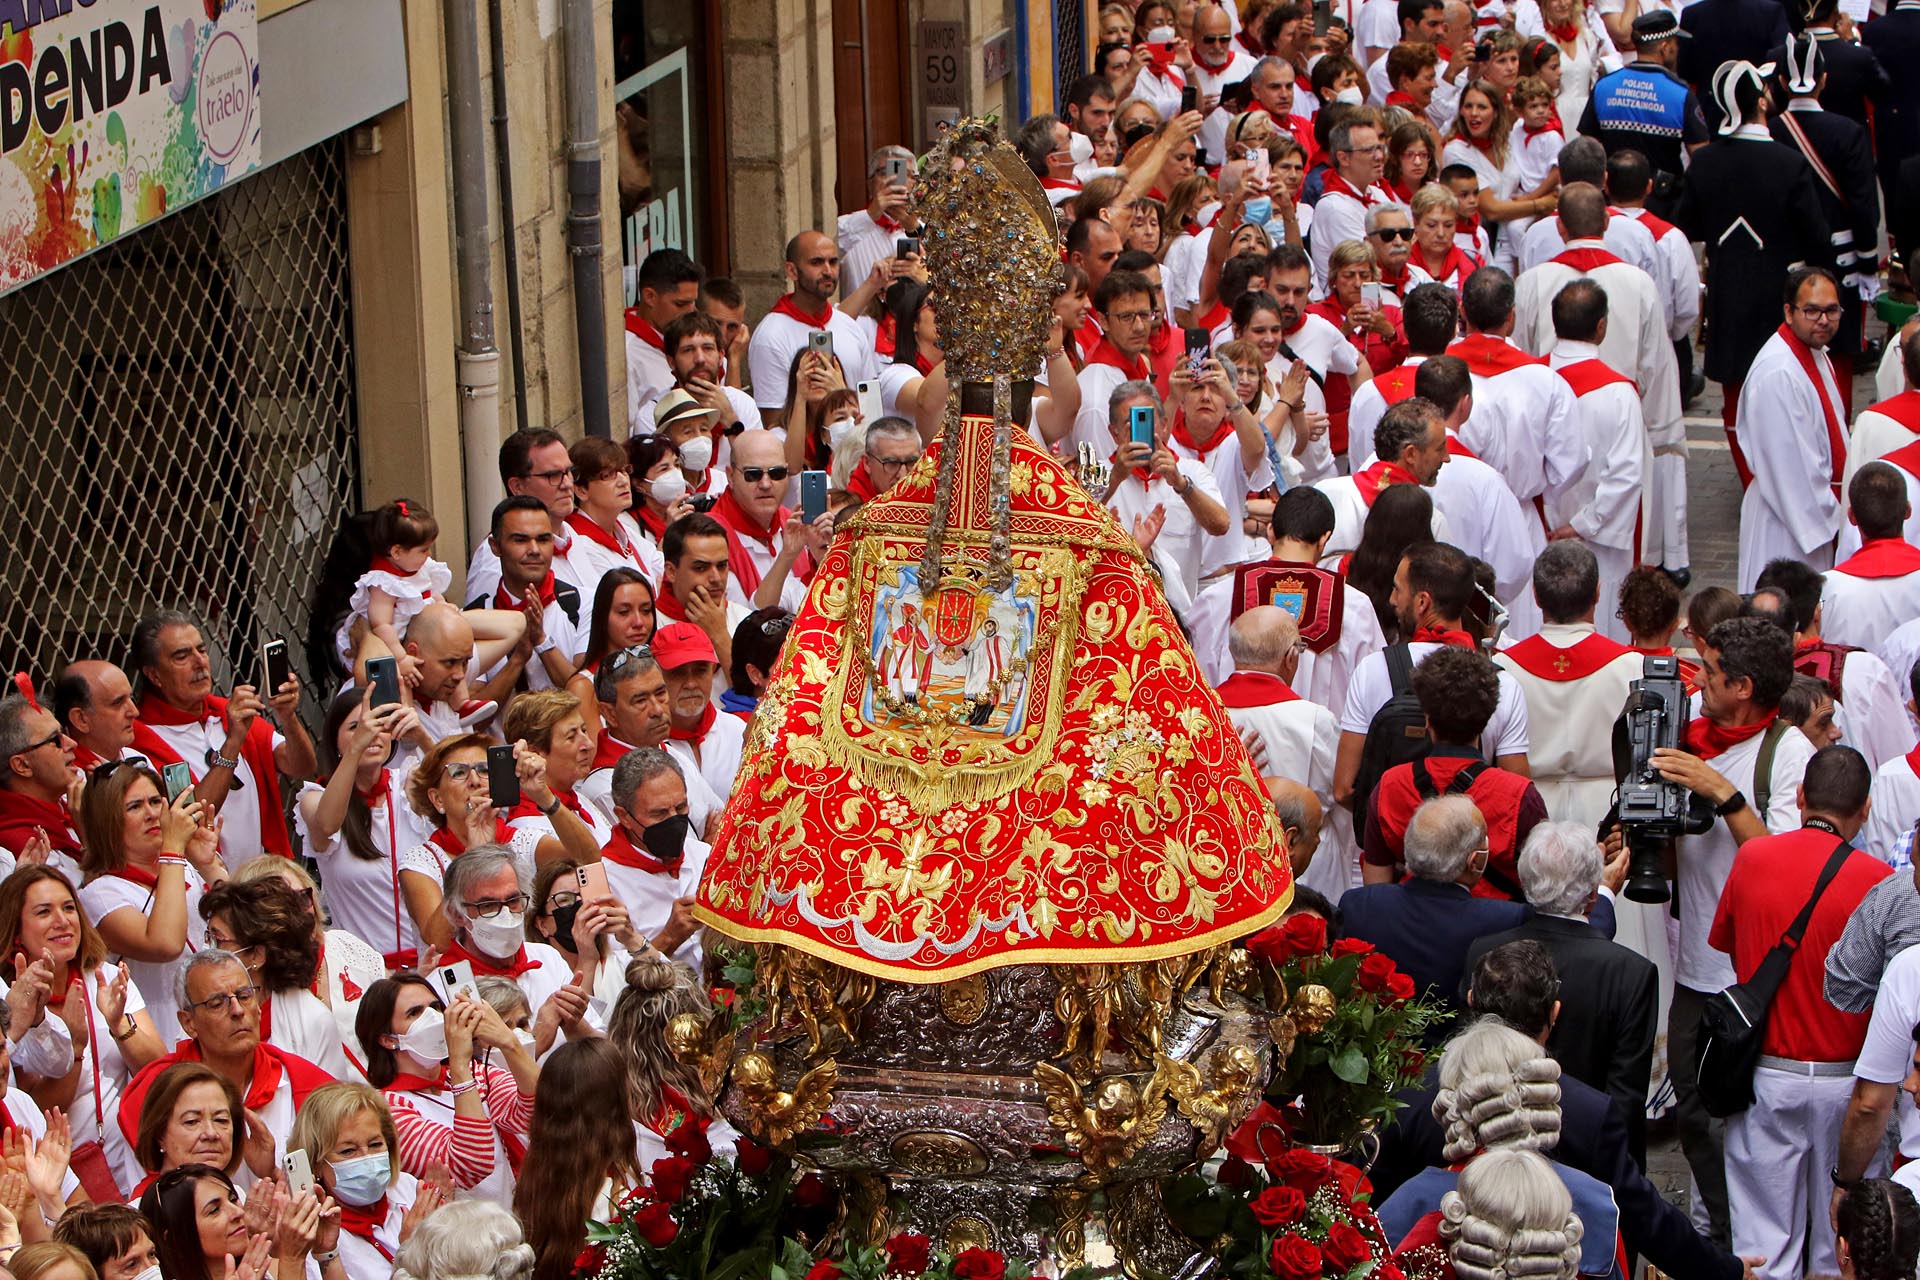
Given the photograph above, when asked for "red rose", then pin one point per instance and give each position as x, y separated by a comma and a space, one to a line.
752, 1158
1278, 1206
1352, 1183
1261, 1136
589, 1260
1350, 947
670, 1177
908, 1254
1399, 988
810, 1192
1375, 971
1301, 935
979, 1264
1294, 1257
823, 1270
690, 1140
1345, 1247
1302, 1170
655, 1224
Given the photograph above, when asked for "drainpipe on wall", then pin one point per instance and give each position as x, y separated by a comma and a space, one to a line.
478, 358
509, 240
583, 215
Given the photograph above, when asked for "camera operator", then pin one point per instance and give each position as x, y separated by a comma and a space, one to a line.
1746, 665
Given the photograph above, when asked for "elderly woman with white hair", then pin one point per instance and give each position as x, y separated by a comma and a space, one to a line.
1509, 1217
466, 1240
1500, 1092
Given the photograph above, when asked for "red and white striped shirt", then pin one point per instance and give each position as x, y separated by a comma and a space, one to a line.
470, 1145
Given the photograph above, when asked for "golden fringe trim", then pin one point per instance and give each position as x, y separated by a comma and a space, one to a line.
860, 962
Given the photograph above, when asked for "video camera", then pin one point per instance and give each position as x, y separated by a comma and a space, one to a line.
1651, 809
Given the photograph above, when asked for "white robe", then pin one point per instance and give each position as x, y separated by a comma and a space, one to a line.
1364, 412
1680, 275
1569, 739
1350, 518
1608, 508
1871, 710
1863, 612
1486, 521
1896, 807
1789, 511
1900, 651
1847, 545
1625, 238
1524, 425
1302, 739
1878, 430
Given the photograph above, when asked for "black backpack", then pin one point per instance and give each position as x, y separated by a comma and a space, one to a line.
1397, 734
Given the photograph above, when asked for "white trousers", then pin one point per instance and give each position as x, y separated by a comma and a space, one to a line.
1779, 1153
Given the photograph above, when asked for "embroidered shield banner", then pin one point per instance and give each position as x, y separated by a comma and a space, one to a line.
947, 777
1312, 595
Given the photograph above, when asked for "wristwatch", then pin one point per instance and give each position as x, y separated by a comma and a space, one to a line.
322, 1259
1838, 1181
1731, 805
218, 761
549, 809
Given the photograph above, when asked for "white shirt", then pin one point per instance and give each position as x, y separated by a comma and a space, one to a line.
1378, 29
106, 894
1179, 548
240, 812
1097, 385
430, 860
779, 338
1871, 710
306, 1028
1319, 344
1525, 425
1900, 651
1886, 1057
567, 638
362, 1259
1301, 738
792, 591
1500, 180
1705, 860
1536, 155
1605, 507
596, 789
1876, 433
717, 759
483, 566
1486, 521
1350, 518
649, 896
864, 245
1231, 477
649, 377
1339, 217
588, 561
1896, 807
1372, 687
541, 825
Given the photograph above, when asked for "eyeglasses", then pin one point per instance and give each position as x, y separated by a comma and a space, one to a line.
57, 734
461, 772
754, 475
1377, 149
896, 463
1818, 313
561, 901
515, 903
1393, 233
614, 473
219, 1000
551, 477
1226, 39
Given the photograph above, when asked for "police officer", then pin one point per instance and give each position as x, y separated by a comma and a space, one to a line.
1644, 105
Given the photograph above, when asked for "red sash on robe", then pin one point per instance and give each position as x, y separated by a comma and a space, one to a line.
1880, 558
21, 814
785, 306
1656, 226
1455, 449
1836, 433
1538, 656
1584, 259
1707, 739
487, 966
624, 851
1490, 356
1903, 409
256, 750
1255, 689
269, 1065
1396, 384
1377, 477
1907, 458
637, 326
1584, 376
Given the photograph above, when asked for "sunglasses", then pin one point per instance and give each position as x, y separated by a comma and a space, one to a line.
753, 475
1394, 233
630, 654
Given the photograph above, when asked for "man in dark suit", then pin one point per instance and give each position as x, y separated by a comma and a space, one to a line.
1724, 30
1609, 1006
1894, 39
1593, 1137
1425, 924
1855, 76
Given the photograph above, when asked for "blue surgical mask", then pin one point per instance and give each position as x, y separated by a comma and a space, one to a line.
362, 1180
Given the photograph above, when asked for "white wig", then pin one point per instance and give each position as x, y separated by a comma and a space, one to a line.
1511, 1217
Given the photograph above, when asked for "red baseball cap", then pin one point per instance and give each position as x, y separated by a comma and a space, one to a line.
678, 643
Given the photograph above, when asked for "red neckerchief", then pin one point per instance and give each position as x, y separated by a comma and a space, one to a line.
256, 750
1469, 225
1444, 635
363, 1220
1455, 449
377, 794
653, 524
1334, 184
487, 966
785, 306
1584, 259
699, 732
740, 526
1249, 43
883, 336
1185, 437
407, 1082
138, 875
616, 541
922, 363
622, 850
1488, 355
1551, 126
1216, 316
380, 564
1483, 145
860, 482
1104, 352
1538, 656
1378, 476
1401, 98
883, 222
1707, 739
1586, 376
444, 839
637, 326
1836, 433
84, 758
21, 814
543, 589
1399, 191
1565, 33
1397, 283
668, 605
567, 798
1214, 67
1245, 689
1456, 263
1882, 558
1555, 123
608, 750
1913, 761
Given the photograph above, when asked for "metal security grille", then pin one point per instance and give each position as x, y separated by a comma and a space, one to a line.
1070, 49
180, 426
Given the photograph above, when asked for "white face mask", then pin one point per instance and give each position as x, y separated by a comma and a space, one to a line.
669, 488
499, 935
837, 432
426, 1039
151, 1273
697, 454
1080, 146
525, 1038
1350, 95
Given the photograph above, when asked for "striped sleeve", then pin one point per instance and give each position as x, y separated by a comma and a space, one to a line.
467, 1148
512, 1110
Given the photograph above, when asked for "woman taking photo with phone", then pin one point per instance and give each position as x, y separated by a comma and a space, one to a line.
348, 1137
447, 1109
203, 1231
147, 865
113, 1035
450, 789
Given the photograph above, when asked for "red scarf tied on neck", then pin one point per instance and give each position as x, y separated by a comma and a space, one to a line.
786, 306
364, 1220
614, 540
543, 591
1449, 636
256, 750
1565, 32
699, 732
638, 326
740, 526
1182, 433
621, 849
487, 966
860, 482
1707, 739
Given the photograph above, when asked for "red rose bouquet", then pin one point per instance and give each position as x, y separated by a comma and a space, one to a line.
1296, 1216
1356, 1030
906, 1256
